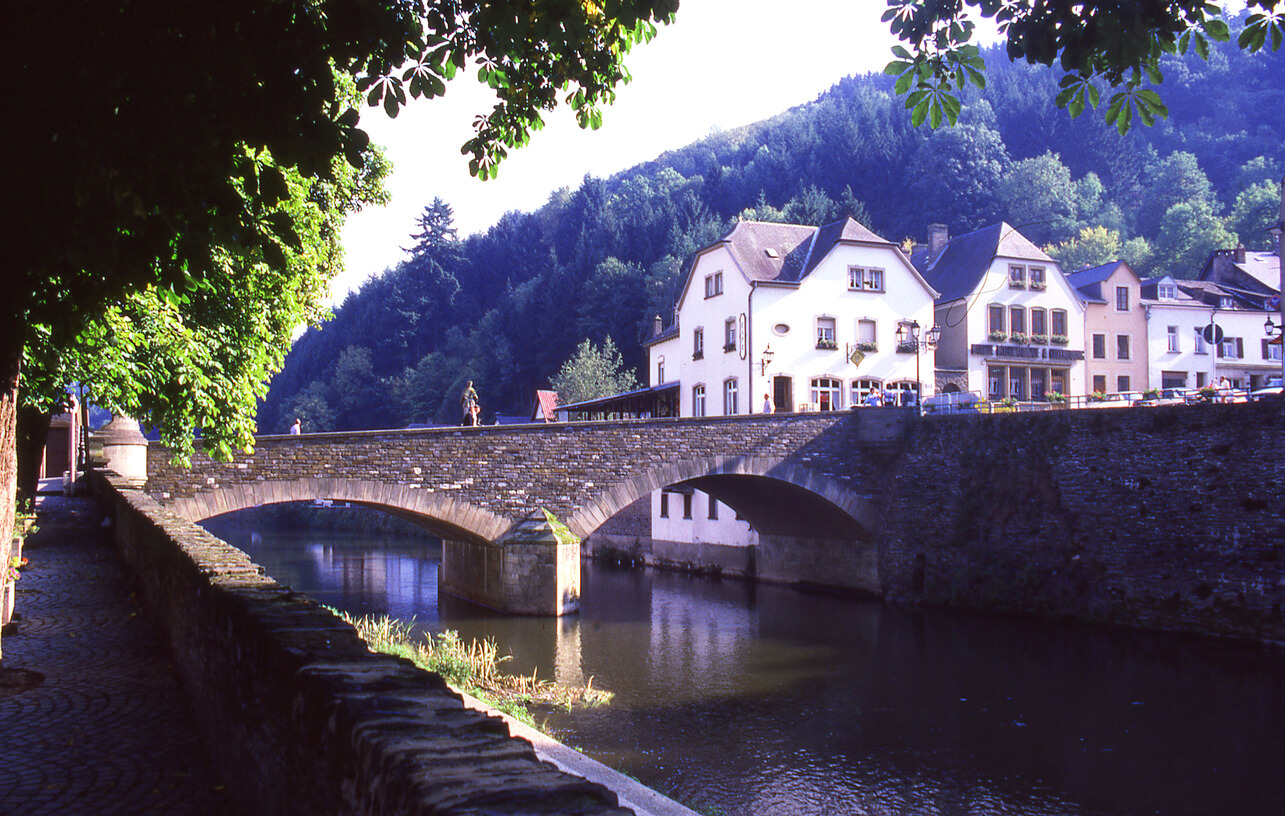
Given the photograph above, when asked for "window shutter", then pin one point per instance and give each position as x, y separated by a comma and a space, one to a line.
1265, 356
1240, 348
1218, 349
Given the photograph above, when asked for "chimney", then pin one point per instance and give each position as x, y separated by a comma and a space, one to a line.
656, 326
938, 237
1240, 253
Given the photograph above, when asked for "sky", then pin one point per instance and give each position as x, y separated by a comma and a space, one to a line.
722, 64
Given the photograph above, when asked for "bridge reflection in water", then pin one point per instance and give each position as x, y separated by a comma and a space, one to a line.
743, 699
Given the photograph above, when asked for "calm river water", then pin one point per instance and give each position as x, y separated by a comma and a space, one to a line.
736, 699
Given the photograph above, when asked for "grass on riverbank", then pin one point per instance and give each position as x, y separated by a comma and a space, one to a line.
473, 668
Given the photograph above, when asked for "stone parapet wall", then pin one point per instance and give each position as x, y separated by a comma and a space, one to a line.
1170, 517
301, 716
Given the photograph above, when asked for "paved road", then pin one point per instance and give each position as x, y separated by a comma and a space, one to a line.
108, 729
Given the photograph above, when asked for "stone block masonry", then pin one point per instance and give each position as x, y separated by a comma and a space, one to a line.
301, 717
1170, 517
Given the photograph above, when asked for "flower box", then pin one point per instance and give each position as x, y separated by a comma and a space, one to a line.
997, 337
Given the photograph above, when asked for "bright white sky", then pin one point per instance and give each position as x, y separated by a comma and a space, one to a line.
722, 64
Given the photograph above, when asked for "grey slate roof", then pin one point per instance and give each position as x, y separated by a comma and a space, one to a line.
1088, 282
760, 249
960, 267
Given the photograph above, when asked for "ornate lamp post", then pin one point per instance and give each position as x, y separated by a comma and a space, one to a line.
908, 338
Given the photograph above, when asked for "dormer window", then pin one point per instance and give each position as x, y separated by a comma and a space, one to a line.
714, 285
772, 253
1167, 291
1224, 302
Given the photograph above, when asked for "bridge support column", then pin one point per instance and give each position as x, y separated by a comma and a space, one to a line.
534, 569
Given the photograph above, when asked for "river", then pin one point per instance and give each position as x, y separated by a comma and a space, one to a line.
743, 700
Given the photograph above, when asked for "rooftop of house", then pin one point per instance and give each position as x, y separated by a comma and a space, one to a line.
958, 268
1088, 282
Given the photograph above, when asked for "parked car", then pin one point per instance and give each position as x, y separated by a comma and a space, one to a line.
954, 403
1271, 389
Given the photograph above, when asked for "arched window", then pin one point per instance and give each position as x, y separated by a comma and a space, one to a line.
730, 403
863, 390
905, 392
827, 393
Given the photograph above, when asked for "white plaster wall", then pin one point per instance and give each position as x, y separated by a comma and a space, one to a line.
825, 293
700, 528
1188, 318
994, 289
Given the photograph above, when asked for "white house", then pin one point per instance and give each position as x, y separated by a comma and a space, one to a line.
1011, 324
798, 318
1178, 355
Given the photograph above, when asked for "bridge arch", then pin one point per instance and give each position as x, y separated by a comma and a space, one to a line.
441, 513
759, 489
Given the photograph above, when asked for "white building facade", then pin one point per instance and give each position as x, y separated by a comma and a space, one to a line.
1012, 326
783, 317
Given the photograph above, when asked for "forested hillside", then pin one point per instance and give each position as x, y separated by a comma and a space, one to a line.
508, 307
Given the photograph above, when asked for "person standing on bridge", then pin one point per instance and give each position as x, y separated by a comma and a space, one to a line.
768, 407
297, 427
468, 404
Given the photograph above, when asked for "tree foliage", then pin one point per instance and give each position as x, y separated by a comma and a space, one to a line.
592, 372
1096, 43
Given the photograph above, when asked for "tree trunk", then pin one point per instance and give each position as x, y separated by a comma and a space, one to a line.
32, 434
11, 336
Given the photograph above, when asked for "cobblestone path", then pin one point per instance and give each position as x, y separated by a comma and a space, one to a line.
107, 730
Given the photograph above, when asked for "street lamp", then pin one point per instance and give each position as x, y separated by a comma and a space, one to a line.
766, 360
908, 338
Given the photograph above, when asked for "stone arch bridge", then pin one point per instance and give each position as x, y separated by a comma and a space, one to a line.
815, 476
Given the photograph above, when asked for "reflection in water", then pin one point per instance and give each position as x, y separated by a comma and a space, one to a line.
760, 700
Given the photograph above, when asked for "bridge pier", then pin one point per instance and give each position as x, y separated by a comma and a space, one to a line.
533, 569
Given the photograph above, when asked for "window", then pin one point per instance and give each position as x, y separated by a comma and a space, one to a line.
698, 401
1017, 383
1271, 352
1057, 319
902, 393
1167, 291
729, 334
995, 382
825, 333
1122, 298
1172, 332
698, 344
664, 504
1122, 346
1099, 346
1017, 319
713, 508
1039, 322
1200, 379
995, 322
1099, 383
1017, 277
866, 332
660, 370
1037, 277
871, 280
714, 284
729, 398
1121, 383
1224, 302
687, 505
1233, 348
827, 393
1178, 379
862, 389
1201, 347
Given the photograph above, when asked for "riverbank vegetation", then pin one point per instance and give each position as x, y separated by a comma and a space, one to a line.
473, 668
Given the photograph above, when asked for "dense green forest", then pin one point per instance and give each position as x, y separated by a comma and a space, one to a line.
508, 307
